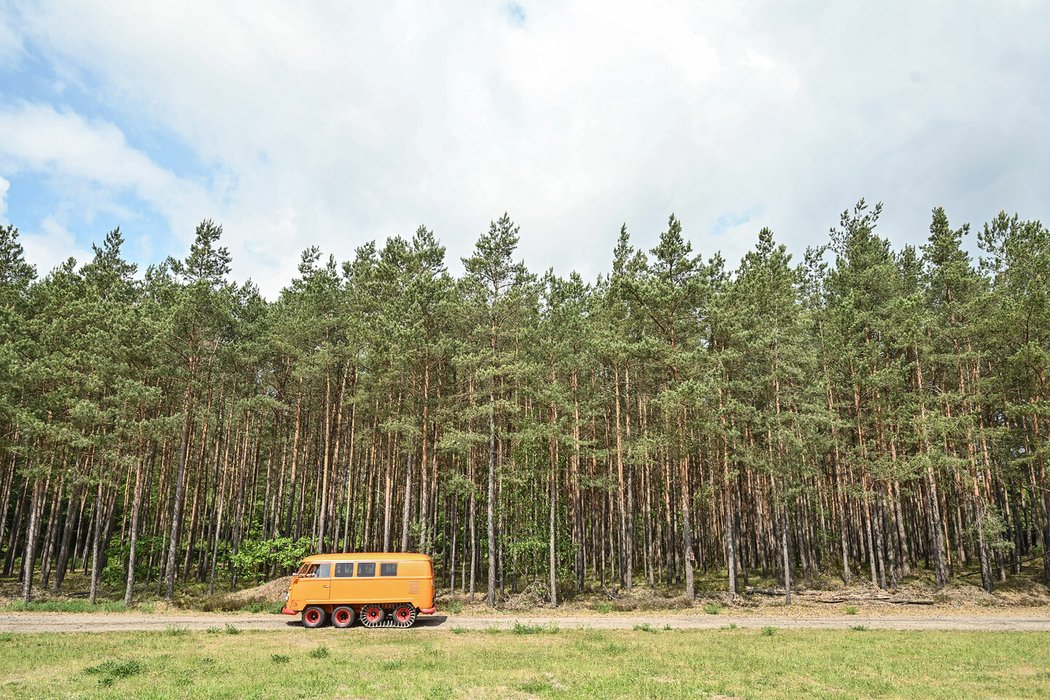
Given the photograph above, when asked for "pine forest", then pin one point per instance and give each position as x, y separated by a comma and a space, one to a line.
854, 410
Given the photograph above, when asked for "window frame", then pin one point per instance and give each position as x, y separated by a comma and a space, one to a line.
384, 567
366, 563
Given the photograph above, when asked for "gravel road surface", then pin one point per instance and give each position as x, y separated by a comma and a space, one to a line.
130, 622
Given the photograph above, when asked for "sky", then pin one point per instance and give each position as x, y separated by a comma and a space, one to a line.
333, 124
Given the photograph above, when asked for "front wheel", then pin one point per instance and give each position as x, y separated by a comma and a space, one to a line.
342, 617
313, 617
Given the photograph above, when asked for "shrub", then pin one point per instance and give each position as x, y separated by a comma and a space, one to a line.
173, 631
851, 609
230, 629
455, 607
712, 608
459, 630
644, 627
320, 652
280, 658
858, 628
769, 631
603, 607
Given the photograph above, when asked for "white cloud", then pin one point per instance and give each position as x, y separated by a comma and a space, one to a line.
51, 246
335, 124
10, 43
4, 187
42, 139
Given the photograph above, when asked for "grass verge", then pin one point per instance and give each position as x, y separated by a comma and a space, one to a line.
573, 663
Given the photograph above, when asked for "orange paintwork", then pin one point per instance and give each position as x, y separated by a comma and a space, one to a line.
413, 582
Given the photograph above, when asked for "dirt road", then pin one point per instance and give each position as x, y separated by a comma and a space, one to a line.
127, 622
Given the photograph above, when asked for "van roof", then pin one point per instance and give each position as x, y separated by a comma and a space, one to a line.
368, 556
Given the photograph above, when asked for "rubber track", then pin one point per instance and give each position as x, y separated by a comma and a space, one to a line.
388, 618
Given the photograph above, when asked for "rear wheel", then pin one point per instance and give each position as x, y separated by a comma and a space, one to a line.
404, 615
372, 615
342, 617
313, 617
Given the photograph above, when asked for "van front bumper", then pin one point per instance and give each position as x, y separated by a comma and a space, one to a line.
289, 611
428, 611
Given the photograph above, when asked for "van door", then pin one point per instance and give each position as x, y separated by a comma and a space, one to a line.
316, 585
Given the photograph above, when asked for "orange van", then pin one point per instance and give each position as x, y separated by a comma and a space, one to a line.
381, 590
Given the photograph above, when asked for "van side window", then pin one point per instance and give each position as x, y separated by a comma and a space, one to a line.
366, 569
324, 570
388, 569
344, 569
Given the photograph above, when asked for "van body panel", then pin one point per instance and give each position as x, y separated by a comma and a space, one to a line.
412, 581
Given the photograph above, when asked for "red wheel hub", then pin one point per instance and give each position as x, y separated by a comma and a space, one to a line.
403, 614
373, 614
312, 616
342, 616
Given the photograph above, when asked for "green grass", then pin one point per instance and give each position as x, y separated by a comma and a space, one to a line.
63, 605
712, 608
851, 609
522, 628
109, 672
573, 663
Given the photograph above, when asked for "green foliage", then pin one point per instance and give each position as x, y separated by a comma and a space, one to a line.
254, 556
769, 631
712, 608
280, 658
320, 652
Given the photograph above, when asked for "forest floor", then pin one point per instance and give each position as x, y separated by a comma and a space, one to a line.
527, 661
1024, 596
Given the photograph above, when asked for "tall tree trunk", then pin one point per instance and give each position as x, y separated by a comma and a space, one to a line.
31, 538
136, 507
180, 489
